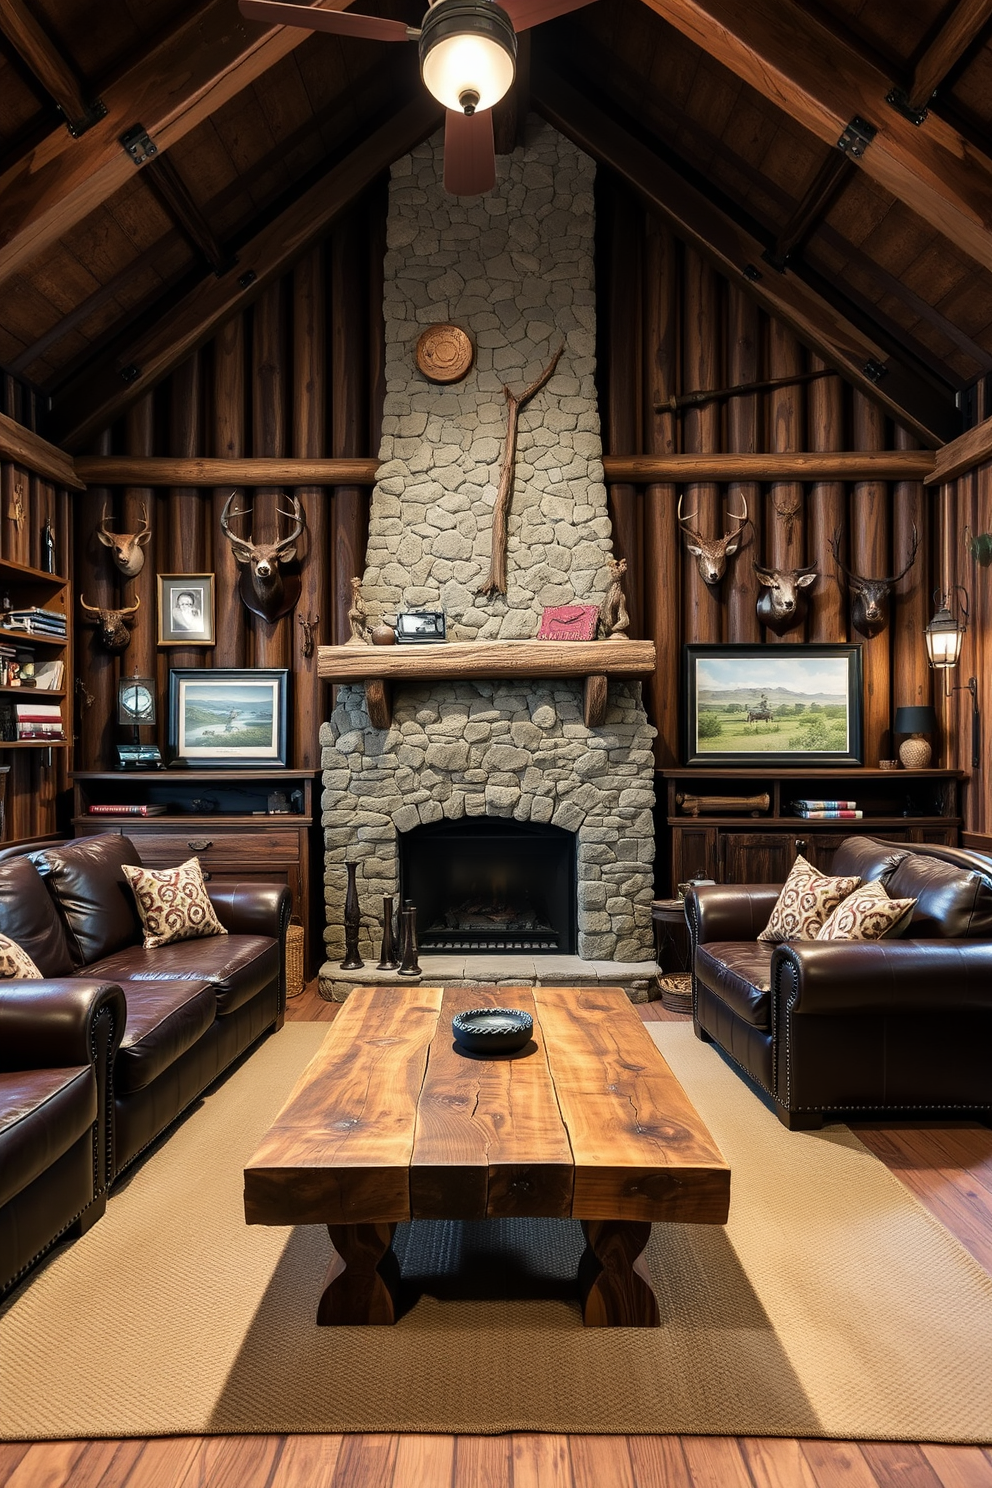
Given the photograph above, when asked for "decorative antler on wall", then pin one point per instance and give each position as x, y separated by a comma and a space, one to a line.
265, 589
495, 582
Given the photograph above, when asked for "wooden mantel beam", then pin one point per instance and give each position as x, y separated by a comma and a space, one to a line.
812, 74
98, 395
737, 253
179, 83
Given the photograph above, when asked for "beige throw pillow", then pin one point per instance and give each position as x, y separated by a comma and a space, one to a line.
806, 900
868, 914
15, 964
173, 903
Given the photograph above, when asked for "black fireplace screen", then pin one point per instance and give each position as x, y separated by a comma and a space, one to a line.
489, 884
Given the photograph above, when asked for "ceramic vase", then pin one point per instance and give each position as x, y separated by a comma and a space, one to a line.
388, 960
408, 918
352, 922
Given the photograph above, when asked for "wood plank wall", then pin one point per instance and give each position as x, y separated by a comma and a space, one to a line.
670, 325
37, 778
297, 373
964, 507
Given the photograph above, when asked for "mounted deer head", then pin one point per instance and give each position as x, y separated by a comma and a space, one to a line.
265, 589
870, 597
782, 604
114, 625
711, 556
126, 547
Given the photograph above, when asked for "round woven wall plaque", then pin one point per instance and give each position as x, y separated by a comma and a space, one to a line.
444, 353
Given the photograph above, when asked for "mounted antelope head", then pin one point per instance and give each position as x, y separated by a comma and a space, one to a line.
782, 604
870, 597
126, 547
114, 625
265, 589
711, 556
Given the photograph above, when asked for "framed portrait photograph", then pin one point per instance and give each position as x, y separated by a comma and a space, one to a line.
788, 705
186, 609
228, 716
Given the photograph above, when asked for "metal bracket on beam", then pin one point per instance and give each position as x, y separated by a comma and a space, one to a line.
139, 144
857, 136
96, 111
898, 99
130, 372
874, 371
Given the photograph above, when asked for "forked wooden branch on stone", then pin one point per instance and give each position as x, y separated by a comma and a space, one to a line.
496, 578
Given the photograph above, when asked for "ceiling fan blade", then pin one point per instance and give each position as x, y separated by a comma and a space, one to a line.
469, 153
339, 22
527, 13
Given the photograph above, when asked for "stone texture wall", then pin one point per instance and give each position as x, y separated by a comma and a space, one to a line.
514, 269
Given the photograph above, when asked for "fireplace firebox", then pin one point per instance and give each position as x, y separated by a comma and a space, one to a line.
493, 885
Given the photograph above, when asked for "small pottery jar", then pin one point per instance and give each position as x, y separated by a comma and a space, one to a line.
382, 634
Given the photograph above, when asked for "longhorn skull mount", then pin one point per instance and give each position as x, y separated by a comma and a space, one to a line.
113, 626
264, 587
870, 596
711, 554
783, 603
126, 548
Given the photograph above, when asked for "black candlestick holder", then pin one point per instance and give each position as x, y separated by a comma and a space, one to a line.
352, 923
408, 918
388, 960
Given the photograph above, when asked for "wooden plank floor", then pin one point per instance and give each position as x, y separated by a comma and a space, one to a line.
947, 1165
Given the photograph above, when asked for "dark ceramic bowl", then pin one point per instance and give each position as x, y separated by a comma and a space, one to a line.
492, 1030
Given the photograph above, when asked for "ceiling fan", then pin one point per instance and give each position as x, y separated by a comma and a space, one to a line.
468, 53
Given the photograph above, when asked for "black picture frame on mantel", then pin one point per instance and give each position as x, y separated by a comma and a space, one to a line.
812, 696
228, 717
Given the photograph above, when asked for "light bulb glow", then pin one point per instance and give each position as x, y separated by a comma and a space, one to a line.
460, 64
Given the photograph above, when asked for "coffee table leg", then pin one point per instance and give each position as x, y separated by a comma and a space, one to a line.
362, 1281
613, 1279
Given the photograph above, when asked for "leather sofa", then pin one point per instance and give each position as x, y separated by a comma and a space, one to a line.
896, 1025
114, 1042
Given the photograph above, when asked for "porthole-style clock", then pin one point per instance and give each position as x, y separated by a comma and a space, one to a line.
136, 706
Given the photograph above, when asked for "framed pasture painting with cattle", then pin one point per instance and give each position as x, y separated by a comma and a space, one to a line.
772, 705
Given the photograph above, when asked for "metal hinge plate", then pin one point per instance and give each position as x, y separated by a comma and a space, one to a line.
139, 144
857, 136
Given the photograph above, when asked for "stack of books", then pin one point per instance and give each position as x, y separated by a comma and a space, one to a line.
827, 810
118, 810
38, 721
36, 621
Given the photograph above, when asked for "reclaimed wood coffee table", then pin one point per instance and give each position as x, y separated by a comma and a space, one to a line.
391, 1121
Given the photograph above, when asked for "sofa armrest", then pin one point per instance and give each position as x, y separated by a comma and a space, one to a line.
810, 978
253, 908
729, 911
59, 1023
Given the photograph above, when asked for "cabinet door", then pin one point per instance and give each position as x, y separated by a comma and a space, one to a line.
758, 857
694, 854
939, 836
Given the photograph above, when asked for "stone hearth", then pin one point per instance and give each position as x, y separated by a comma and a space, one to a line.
515, 269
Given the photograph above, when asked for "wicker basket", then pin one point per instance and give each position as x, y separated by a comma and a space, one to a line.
676, 992
295, 980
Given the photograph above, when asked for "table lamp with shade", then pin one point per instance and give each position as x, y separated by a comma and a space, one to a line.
914, 751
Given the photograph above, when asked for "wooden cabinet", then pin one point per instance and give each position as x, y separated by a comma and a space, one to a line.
760, 846
221, 817
32, 774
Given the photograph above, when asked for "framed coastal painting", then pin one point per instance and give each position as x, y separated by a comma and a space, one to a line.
788, 705
228, 716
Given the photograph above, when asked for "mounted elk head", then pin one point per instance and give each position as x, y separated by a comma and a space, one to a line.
870, 597
711, 556
782, 604
265, 588
126, 548
114, 625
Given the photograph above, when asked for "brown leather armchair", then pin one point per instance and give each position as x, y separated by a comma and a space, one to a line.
892, 1025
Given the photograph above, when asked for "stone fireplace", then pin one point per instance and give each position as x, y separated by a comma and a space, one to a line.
514, 269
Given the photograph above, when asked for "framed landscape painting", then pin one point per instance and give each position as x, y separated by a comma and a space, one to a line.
227, 716
788, 705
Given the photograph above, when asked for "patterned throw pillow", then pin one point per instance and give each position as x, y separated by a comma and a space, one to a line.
868, 914
16, 964
807, 898
173, 903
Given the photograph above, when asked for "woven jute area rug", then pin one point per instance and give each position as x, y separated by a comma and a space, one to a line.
832, 1304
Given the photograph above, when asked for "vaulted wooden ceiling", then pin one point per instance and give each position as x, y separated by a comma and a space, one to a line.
725, 117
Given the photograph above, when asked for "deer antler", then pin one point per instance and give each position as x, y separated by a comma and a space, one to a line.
227, 512
297, 516
912, 559
684, 522
741, 519
835, 549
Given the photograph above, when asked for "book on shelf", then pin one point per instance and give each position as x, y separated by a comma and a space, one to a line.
118, 810
48, 675
825, 805
831, 815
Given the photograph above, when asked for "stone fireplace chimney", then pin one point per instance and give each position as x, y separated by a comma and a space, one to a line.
515, 270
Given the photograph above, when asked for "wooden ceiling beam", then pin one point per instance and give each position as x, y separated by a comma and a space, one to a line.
826, 186
175, 197
154, 470
98, 395
951, 42
737, 252
46, 63
822, 82
26, 448
179, 83
958, 456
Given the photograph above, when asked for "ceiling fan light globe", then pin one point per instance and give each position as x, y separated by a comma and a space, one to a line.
468, 51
